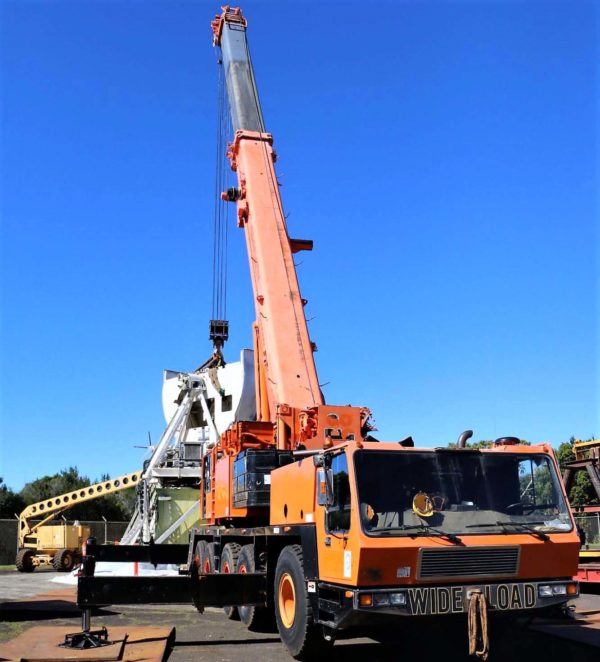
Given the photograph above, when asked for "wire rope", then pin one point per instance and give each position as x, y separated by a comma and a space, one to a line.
221, 210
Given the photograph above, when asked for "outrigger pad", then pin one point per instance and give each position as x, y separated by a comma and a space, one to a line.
87, 639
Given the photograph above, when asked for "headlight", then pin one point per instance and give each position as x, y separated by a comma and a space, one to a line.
389, 599
381, 600
559, 589
545, 591
398, 599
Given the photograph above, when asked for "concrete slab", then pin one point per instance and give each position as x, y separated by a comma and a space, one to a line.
14, 584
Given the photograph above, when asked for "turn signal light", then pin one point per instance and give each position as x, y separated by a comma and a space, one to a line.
365, 600
572, 589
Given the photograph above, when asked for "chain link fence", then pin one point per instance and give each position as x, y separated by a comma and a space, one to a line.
589, 523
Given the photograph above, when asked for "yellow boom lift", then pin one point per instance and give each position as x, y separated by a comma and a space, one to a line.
60, 545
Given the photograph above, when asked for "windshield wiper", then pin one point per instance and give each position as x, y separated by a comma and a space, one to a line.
424, 531
520, 525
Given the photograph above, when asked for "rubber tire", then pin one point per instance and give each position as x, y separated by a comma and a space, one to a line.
201, 551
64, 560
24, 560
304, 639
255, 618
229, 559
207, 559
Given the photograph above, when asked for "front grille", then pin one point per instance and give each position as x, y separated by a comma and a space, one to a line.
469, 562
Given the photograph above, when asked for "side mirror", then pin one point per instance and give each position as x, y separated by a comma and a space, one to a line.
325, 487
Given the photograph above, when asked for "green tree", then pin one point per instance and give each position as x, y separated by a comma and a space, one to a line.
484, 443
11, 504
47, 487
582, 491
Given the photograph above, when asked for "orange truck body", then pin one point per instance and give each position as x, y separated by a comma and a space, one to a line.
375, 561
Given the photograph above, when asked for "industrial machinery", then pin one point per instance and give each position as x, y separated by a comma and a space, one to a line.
306, 515
587, 458
587, 518
60, 544
173, 470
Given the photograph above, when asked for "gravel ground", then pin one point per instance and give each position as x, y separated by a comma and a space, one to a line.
213, 637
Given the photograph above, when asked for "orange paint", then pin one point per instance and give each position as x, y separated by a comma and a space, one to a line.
293, 493
376, 561
290, 367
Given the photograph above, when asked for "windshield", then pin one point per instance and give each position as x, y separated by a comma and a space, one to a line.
459, 493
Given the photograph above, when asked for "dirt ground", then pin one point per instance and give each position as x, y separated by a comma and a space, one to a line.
211, 636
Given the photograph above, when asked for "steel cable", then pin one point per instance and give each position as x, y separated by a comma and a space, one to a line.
221, 209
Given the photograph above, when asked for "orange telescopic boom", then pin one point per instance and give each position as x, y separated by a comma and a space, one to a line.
286, 368
287, 387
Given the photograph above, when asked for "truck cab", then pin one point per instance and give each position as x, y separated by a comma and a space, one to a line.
414, 531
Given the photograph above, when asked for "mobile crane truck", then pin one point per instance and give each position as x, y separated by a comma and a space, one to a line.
306, 515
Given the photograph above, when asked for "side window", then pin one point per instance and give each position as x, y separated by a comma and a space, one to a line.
338, 515
537, 491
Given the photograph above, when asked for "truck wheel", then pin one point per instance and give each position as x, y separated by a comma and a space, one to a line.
293, 612
207, 558
24, 560
229, 560
64, 560
255, 618
195, 570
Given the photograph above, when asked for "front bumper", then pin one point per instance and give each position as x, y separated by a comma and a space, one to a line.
358, 605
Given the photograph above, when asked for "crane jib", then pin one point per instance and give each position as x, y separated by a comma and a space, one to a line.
244, 104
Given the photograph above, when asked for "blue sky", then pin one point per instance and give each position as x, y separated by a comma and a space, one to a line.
442, 156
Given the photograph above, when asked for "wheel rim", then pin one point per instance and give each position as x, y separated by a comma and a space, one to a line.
287, 600
66, 561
